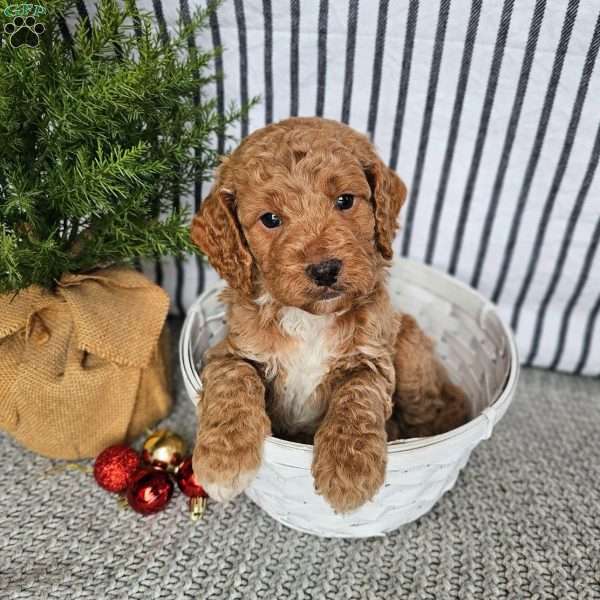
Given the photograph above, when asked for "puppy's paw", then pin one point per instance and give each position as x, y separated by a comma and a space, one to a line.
349, 468
449, 409
456, 409
224, 491
226, 468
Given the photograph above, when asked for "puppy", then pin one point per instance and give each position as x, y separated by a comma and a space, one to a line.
300, 223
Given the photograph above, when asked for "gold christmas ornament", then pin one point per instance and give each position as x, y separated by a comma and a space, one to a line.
164, 449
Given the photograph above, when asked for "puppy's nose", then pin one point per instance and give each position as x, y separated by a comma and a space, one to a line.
325, 273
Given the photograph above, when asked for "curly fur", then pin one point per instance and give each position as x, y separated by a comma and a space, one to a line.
310, 366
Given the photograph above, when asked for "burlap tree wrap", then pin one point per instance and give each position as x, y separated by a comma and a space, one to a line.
85, 366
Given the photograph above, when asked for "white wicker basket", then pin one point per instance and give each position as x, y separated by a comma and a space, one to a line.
480, 354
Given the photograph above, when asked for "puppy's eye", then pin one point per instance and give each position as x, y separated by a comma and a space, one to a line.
344, 202
270, 220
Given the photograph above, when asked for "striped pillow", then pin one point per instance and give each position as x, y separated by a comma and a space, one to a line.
489, 111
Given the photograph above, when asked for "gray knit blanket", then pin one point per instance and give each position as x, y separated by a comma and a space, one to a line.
523, 521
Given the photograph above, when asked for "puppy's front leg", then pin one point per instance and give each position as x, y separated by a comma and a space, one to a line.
232, 425
350, 452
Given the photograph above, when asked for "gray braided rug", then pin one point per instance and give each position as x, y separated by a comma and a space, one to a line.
522, 522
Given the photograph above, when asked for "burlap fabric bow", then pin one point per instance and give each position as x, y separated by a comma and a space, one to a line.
84, 366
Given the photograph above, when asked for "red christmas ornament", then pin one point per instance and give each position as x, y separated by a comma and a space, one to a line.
188, 484
115, 466
149, 491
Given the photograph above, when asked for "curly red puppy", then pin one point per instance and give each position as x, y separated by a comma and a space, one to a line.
300, 223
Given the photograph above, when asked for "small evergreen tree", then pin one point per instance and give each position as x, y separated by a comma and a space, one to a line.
98, 134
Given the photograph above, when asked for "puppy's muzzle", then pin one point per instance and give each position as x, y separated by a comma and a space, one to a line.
326, 272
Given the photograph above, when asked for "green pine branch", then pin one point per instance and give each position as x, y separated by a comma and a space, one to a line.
97, 140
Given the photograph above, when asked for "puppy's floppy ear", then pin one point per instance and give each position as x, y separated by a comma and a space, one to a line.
217, 232
388, 195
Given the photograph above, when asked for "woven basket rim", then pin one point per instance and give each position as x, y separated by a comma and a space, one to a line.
486, 419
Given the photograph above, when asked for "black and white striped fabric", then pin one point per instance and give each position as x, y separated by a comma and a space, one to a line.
488, 109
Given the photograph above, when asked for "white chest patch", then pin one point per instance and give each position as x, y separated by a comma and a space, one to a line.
305, 365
